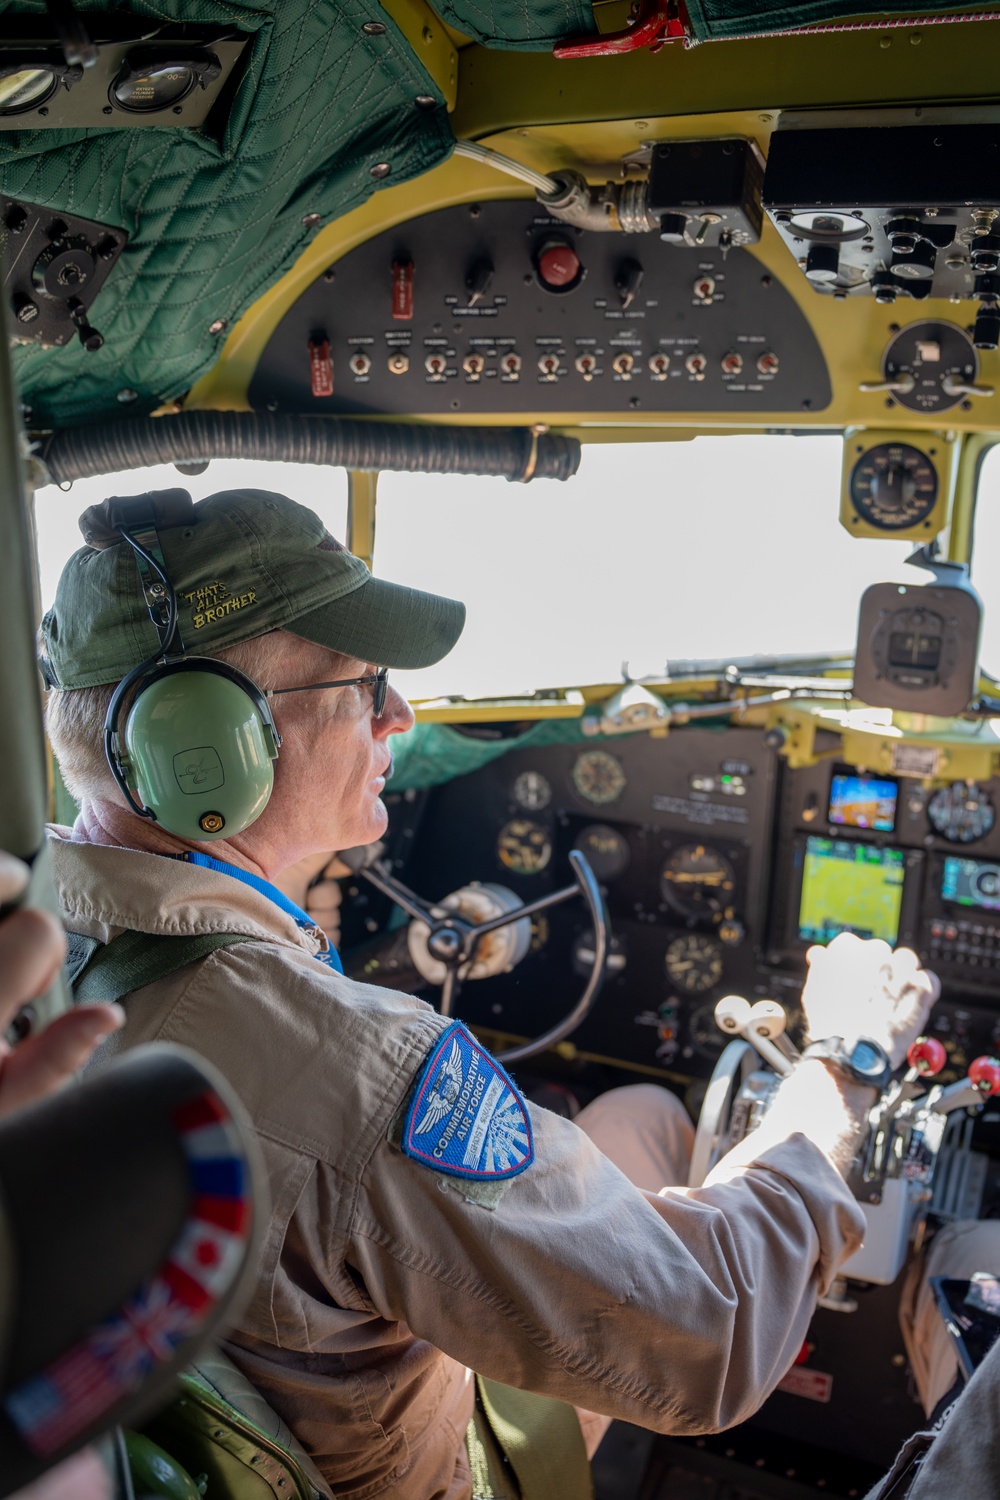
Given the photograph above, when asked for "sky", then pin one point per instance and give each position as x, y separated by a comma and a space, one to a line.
724, 546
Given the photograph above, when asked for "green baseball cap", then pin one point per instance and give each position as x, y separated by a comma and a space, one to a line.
242, 563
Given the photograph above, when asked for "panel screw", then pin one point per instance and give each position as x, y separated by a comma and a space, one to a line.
425, 101
311, 221
373, 28
329, 274
380, 169
126, 395
107, 110
218, 326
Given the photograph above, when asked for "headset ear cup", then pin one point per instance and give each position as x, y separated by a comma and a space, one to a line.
200, 745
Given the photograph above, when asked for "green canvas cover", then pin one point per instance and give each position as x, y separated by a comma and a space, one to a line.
717, 19
212, 223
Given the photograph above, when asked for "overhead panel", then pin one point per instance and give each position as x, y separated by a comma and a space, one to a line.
495, 307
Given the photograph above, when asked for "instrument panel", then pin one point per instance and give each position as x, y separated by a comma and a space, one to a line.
719, 866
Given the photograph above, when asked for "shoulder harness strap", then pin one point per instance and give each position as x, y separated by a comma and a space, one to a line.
134, 959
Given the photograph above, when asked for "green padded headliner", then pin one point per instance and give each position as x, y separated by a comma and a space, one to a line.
212, 225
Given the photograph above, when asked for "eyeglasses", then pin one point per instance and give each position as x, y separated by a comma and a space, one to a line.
377, 681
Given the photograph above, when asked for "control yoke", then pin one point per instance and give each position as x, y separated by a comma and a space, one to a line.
915, 1156
448, 939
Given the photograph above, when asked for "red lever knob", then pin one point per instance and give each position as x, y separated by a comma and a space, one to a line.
984, 1074
927, 1056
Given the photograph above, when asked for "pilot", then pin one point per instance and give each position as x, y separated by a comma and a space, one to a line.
427, 1221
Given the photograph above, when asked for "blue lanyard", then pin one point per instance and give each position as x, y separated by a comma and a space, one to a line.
285, 903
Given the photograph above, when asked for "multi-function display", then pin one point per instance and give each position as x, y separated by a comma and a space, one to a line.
850, 887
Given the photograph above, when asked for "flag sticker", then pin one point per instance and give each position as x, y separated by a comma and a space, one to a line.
466, 1117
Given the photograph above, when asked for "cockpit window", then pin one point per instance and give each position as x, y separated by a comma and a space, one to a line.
721, 547
985, 574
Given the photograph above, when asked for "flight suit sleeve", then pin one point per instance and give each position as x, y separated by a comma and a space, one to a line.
677, 1310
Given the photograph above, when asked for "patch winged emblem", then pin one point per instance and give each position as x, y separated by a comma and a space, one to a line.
466, 1117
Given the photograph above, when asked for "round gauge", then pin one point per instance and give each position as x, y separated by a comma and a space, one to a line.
703, 1033
929, 365
26, 88
524, 847
599, 777
961, 812
893, 486
697, 882
532, 791
604, 849
694, 962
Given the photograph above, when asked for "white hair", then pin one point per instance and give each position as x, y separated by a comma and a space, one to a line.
74, 717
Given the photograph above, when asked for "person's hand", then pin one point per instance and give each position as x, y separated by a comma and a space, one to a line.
865, 988
312, 884
32, 948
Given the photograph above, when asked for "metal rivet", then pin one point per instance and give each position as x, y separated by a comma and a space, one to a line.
373, 28
107, 110
329, 274
127, 394
178, 109
218, 326
885, 42
380, 169
311, 221
425, 101
44, 111
428, 36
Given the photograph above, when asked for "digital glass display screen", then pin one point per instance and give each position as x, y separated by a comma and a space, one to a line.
850, 887
971, 882
863, 802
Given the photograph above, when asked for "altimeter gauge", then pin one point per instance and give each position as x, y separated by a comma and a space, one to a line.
524, 846
694, 962
697, 881
599, 777
961, 813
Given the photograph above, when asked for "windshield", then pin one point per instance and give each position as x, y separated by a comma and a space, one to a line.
985, 574
654, 553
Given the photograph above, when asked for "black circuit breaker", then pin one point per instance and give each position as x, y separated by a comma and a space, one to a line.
707, 193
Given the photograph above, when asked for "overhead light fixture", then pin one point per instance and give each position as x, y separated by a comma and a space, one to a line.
150, 80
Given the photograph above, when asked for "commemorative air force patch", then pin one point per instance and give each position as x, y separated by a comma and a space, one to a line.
467, 1118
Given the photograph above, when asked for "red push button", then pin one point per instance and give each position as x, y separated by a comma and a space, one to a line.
558, 265
402, 290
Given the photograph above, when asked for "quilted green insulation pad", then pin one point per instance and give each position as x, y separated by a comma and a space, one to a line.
214, 221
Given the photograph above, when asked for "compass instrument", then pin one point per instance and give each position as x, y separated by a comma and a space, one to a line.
599, 777
697, 882
961, 813
605, 849
694, 962
532, 791
524, 847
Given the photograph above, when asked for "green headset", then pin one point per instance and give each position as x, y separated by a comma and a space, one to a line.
199, 744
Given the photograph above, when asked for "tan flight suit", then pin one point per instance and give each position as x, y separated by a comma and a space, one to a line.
384, 1282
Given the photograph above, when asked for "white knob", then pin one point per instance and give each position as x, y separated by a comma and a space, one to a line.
732, 1014
768, 1019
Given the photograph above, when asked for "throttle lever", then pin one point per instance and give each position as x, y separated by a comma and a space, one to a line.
734, 1016
926, 1057
982, 1081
